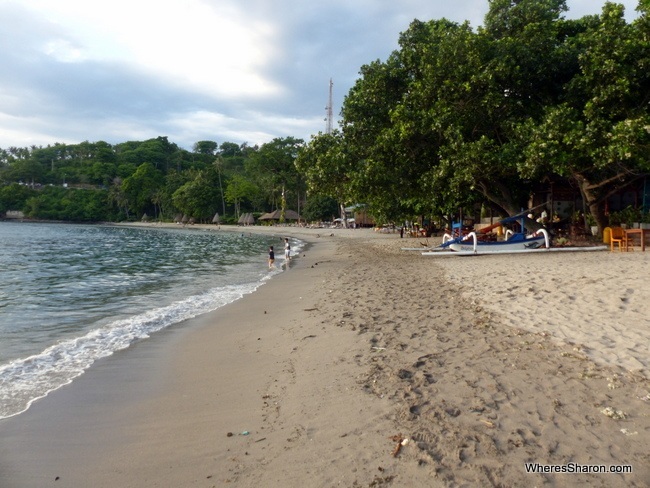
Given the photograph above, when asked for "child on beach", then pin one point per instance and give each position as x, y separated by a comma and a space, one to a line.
287, 249
271, 257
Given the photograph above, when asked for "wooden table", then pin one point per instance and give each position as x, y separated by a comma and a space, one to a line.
642, 233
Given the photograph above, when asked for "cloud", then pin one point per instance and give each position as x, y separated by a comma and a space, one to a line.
223, 70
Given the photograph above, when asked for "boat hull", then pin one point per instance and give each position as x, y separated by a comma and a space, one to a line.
447, 253
499, 246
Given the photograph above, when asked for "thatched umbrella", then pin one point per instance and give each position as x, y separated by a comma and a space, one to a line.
250, 220
216, 219
277, 214
241, 219
185, 219
145, 217
291, 215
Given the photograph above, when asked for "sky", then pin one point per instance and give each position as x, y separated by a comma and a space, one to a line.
243, 71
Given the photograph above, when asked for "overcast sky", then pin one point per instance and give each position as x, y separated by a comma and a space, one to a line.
192, 70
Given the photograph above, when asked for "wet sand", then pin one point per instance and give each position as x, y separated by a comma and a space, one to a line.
364, 365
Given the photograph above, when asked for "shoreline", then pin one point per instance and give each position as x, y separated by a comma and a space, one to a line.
379, 346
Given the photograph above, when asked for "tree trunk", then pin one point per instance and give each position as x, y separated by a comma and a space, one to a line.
500, 196
591, 201
594, 194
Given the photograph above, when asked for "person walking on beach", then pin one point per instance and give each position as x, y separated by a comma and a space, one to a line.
287, 249
271, 257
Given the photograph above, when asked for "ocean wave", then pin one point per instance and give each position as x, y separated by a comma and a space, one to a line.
26, 380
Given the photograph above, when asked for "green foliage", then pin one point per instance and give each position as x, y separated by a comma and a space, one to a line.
240, 189
198, 197
15, 196
324, 165
136, 177
320, 208
272, 169
456, 117
140, 187
57, 203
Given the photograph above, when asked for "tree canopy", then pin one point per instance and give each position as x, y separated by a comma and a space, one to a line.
457, 116
454, 118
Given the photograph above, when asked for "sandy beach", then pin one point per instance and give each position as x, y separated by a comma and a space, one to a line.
363, 365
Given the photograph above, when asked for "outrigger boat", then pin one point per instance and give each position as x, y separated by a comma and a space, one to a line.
475, 243
513, 240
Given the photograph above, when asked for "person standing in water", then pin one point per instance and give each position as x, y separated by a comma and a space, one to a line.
271, 257
287, 249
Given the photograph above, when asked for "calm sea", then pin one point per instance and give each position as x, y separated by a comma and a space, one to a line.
71, 294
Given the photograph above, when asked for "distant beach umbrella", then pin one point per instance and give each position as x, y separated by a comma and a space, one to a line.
145, 217
185, 219
241, 219
277, 215
250, 220
216, 219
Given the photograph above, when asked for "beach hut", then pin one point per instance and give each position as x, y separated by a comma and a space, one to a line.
276, 214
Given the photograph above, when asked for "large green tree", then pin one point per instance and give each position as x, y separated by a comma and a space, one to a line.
240, 189
374, 169
140, 187
199, 197
599, 135
272, 168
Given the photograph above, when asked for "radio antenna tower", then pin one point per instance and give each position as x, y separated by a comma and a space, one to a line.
328, 119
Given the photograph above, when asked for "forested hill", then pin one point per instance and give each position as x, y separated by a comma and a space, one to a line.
97, 181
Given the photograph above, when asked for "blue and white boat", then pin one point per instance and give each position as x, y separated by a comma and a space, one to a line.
519, 241
513, 241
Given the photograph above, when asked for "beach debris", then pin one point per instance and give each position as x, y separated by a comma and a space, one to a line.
452, 411
627, 432
401, 442
404, 374
612, 413
245, 432
229, 434
488, 423
379, 481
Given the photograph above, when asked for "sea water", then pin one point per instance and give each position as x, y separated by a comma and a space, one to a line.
72, 294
